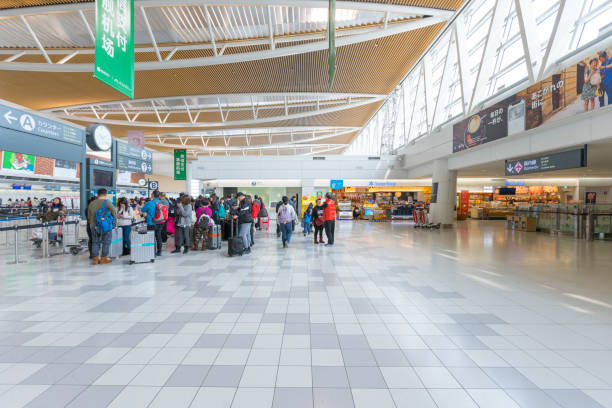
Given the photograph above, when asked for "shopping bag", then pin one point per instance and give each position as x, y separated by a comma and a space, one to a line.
170, 226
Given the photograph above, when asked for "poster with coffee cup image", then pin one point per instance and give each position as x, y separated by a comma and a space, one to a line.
580, 88
485, 126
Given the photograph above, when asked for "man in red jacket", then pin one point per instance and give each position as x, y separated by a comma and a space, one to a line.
329, 213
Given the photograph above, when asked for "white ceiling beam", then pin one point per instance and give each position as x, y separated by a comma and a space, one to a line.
188, 111
253, 107
493, 39
68, 57
156, 112
271, 27
36, 40
529, 36
286, 106
224, 117
302, 99
15, 56
87, 26
150, 32
373, 34
559, 37
463, 70
125, 112
171, 54
445, 81
211, 34
94, 111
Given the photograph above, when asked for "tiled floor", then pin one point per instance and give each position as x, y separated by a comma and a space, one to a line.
389, 317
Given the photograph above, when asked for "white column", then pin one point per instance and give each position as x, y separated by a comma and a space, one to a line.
443, 211
188, 178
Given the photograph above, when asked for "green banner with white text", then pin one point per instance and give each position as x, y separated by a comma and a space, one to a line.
180, 164
114, 62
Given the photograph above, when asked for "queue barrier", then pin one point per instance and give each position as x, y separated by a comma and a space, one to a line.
70, 235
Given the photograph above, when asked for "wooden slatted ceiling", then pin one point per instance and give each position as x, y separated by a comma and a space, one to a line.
370, 67
445, 4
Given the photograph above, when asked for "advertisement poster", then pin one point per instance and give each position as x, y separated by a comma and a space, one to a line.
591, 197
464, 202
582, 87
18, 162
114, 54
136, 138
64, 168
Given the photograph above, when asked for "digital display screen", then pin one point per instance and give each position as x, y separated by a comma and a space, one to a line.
102, 178
507, 191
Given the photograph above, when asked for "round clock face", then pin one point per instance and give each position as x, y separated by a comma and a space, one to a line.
103, 138
99, 138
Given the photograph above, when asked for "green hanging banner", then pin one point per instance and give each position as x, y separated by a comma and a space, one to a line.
180, 164
114, 60
331, 34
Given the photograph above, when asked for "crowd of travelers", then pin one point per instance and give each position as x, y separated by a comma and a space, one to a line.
190, 219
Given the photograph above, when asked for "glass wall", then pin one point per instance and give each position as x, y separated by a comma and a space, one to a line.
490, 47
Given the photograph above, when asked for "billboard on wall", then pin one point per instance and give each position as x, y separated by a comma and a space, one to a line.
579, 88
64, 168
18, 162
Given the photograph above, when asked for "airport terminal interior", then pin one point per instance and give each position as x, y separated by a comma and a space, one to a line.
306, 203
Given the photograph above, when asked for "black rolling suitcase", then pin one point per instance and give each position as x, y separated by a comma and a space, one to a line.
235, 244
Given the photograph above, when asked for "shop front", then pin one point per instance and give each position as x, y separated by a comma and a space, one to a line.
380, 201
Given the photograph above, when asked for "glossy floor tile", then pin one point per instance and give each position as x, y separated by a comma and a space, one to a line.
390, 316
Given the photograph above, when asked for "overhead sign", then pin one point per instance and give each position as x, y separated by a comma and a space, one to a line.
180, 164
561, 95
557, 161
22, 121
336, 184
114, 54
153, 185
134, 159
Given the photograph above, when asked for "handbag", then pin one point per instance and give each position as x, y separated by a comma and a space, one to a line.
599, 92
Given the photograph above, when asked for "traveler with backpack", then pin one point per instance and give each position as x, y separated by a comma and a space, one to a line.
286, 216
318, 220
183, 224
243, 214
157, 216
101, 216
329, 212
203, 223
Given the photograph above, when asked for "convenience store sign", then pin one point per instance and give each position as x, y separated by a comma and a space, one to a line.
114, 53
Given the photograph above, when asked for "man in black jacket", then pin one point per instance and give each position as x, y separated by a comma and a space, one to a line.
243, 214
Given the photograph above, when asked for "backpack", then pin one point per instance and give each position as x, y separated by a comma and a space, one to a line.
104, 219
221, 212
284, 214
204, 220
161, 213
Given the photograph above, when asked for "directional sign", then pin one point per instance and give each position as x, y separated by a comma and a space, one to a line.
134, 158
22, 121
557, 161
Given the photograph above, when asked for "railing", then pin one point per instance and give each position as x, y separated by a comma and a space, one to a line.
587, 221
27, 231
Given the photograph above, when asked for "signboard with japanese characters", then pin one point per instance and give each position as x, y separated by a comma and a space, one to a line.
555, 161
582, 87
180, 164
22, 121
134, 159
114, 59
